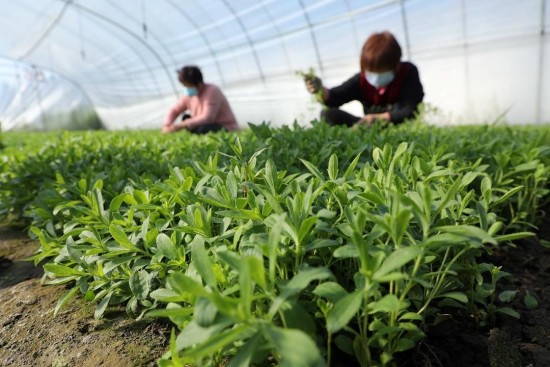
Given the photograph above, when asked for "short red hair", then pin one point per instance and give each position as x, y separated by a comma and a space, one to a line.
381, 52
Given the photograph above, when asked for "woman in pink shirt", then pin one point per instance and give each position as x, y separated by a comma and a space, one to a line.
206, 108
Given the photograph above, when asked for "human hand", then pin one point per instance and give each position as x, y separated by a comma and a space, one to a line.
166, 129
313, 84
367, 120
370, 119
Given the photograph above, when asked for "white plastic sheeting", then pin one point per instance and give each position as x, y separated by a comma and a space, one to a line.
37, 99
480, 60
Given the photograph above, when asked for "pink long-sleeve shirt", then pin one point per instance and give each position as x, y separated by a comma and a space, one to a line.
209, 106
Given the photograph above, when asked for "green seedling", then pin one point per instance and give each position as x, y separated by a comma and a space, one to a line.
280, 246
311, 76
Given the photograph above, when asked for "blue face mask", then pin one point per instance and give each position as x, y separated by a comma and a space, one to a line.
192, 91
379, 79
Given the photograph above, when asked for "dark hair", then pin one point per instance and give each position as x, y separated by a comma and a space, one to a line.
190, 74
380, 52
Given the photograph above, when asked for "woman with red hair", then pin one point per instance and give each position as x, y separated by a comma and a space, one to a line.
389, 89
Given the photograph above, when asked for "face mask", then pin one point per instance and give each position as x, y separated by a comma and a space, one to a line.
379, 79
190, 91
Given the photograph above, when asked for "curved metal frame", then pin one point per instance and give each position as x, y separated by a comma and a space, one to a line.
279, 34
205, 40
353, 25
249, 41
90, 41
47, 32
405, 27
313, 38
539, 102
149, 33
136, 37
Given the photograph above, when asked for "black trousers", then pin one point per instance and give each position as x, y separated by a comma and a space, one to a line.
204, 128
335, 116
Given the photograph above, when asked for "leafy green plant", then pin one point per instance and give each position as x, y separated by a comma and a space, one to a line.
280, 246
311, 76
530, 301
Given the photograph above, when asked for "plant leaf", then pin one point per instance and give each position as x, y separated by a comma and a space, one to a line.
201, 261
62, 270
397, 259
294, 346
121, 238
63, 300
530, 301
343, 311
100, 309
331, 291
140, 284
166, 246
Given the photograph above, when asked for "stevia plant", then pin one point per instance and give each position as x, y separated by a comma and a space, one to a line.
255, 245
310, 75
344, 309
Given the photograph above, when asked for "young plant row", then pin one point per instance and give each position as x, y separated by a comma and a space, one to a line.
291, 247
31, 163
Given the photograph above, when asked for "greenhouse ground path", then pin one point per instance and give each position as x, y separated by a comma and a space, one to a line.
31, 336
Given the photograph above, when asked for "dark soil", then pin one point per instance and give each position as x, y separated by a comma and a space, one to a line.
508, 342
31, 336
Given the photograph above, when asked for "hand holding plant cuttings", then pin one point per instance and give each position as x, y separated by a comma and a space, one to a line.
314, 85
372, 119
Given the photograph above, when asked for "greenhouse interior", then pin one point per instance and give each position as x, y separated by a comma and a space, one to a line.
60, 61
261, 183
